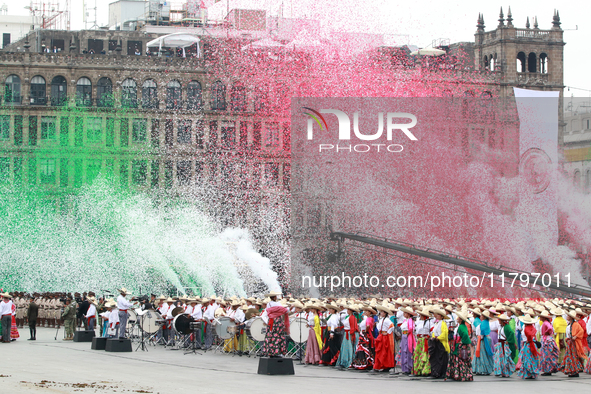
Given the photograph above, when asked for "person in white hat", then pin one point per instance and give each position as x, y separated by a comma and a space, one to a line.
459, 367
550, 353
529, 354
504, 366
91, 313
209, 307
123, 306
314, 343
423, 325
483, 363
439, 345
332, 338
407, 342
365, 354
574, 357
384, 360
350, 335
6, 314
114, 323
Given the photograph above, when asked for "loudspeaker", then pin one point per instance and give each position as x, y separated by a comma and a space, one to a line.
83, 336
99, 343
118, 345
275, 366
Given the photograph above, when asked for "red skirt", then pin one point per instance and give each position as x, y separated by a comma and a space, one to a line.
384, 352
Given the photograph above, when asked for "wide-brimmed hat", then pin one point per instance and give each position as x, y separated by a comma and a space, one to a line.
6, 295
486, 314
408, 310
527, 319
503, 317
572, 313
580, 312
273, 294
382, 308
124, 290
439, 311
557, 311
369, 309
462, 315
426, 311
545, 314
169, 300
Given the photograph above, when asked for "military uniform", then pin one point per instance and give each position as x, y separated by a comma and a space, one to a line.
69, 317
20, 304
58, 312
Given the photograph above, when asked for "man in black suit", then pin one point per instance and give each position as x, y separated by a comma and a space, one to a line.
32, 313
82, 309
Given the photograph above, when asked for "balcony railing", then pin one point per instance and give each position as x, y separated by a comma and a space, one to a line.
42, 100
59, 101
105, 102
174, 104
12, 100
150, 103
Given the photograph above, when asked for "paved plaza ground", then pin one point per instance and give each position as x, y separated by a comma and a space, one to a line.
51, 366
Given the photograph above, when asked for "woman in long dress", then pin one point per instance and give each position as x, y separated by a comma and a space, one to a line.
407, 342
14, 335
575, 357
529, 358
314, 344
459, 366
439, 345
384, 350
421, 366
365, 352
504, 366
332, 340
483, 363
550, 353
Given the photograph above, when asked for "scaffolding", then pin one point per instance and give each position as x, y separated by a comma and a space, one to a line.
49, 15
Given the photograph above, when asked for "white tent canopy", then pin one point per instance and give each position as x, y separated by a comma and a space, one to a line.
428, 52
175, 40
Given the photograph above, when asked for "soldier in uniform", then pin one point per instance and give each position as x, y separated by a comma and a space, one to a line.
69, 317
32, 313
42, 314
19, 302
59, 305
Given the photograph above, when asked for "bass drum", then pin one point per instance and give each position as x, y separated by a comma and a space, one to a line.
226, 328
182, 323
132, 316
149, 321
257, 329
298, 329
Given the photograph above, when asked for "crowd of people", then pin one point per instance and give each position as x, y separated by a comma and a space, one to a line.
440, 338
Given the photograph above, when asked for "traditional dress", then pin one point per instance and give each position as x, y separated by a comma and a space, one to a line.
550, 352
459, 367
504, 350
278, 326
529, 356
384, 345
314, 344
483, 363
439, 350
421, 365
407, 346
559, 324
331, 345
574, 356
349, 342
365, 352
13, 328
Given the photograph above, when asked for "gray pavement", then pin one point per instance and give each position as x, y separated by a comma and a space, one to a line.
47, 365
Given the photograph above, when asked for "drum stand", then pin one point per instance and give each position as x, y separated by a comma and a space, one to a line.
196, 329
143, 339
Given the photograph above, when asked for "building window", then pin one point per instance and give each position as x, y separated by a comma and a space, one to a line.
38, 92
183, 172
139, 130
94, 130
520, 62
4, 169
5, 40
531, 62
271, 135
139, 172
95, 46
93, 169
238, 98
184, 132
261, 99
134, 48
48, 127
104, 93
12, 90
129, 94
577, 180
228, 134
272, 174
194, 96
218, 96
4, 127
150, 94
59, 91
587, 181
543, 63
587, 124
84, 92
47, 171
173, 95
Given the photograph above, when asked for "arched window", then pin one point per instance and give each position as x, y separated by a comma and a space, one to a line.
38, 91
84, 92
104, 92
543, 63
12, 89
218, 96
486, 62
238, 98
493, 62
194, 96
587, 181
521, 62
173, 95
149, 94
59, 91
531, 62
468, 93
129, 93
577, 180
486, 94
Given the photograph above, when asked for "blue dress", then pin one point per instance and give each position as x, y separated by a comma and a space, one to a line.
484, 364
